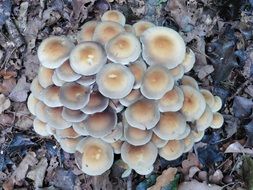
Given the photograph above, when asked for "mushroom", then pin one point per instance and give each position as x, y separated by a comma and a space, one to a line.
87, 31
123, 48
115, 134
87, 58
40, 127
184, 134
87, 80
205, 120
172, 150
115, 81
162, 46
36, 88
116, 105
188, 142
66, 73
69, 144
129, 28
209, 98
177, 72
45, 76
198, 135
156, 82
138, 68
144, 170
56, 80
143, 114
158, 141
189, 81
81, 128
40, 111
217, 104
114, 16
217, 121
31, 102
54, 50
189, 60
141, 26
50, 96
73, 115
66, 133
132, 97
117, 146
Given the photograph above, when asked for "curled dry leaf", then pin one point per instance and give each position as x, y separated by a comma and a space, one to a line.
5, 103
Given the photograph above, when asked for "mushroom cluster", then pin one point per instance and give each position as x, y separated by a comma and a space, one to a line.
121, 89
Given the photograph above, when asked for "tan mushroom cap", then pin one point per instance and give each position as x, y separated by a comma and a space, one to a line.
73, 115
66, 73
106, 30
129, 28
144, 170
185, 133
158, 141
139, 156
54, 118
31, 102
172, 150
67, 133
74, 96
36, 88
209, 98
189, 60
194, 103
198, 135
87, 80
189, 81
116, 105
53, 51
114, 16
172, 100
143, 114
87, 58
218, 121
45, 76
123, 48
162, 46
87, 31
69, 144
97, 156
188, 142
115, 81
51, 96
81, 128
97, 103
102, 123
56, 80
40, 127
115, 134
156, 82
138, 68
177, 72
170, 125
217, 104
117, 146
40, 111
205, 120
132, 97
141, 26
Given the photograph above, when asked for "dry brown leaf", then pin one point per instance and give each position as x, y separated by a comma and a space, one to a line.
191, 161
7, 86
5, 103
19, 93
195, 185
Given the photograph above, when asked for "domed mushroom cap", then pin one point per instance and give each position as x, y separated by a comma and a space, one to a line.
189, 81
66, 73
87, 58
51, 97
177, 72
87, 31
115, 81
74, 96
143, 114
81, 128
106, 30
139, 156
40, 111
114, 16
172, 150
115, 134
45, 76
194, 103
123, 48
156, 82
31, 102
116, 105
97, 156
129, 28
218, 121
205, 120
138, 68
36, 88
101, 124
40, 127
69, 144
158, 141
55, 119
141, 26
172, 100
53, 51
73, 115
162, 46
117, 146
132, 97
87, 80
198, 135
56, 80
170, 125
66, 133
97, 103
217, 104
188, 142
189, 60
184, 134
209, 98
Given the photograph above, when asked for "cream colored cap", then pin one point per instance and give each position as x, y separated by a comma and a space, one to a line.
69, 144
73, 115
205, 120
67, 133
208, 97
117, 146
115, 134
40, 127
114, 16
31, 102
36, 88
158, 141
87, 31
189, 81
45, 76
189, 60
132, 97
40, 111
51, 97
81, 128
56, 80
177, 72
172, 150
217, 104
218, 121
141, 26
138, 68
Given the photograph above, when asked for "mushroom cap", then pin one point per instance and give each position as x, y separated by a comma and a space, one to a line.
40, 127
45, 76
188, 142
123, 48
217, 121
117, 146
97, 103
177, 72
139, 156
73, 115
129, 28
217, 104
116, 105
143, 114
74, 96
87, 80
101, 124
198, 135
81, 128
97, 156
106, 30
194, 103
87, 58
158, 141
54, 118
114, 16
205, 120
144, 170
141, 26
56, 80
67, 133
172, 150
164, 46
132, 97
69, 144
54, 50
189, 81
87, 31
189, 60
40, 111
36, 88
172, 100
51, 97
138, 68
170, 125
184, 134
115, 81
156, 82
31, 102
66, 73
50, 130
115, 134
209, 98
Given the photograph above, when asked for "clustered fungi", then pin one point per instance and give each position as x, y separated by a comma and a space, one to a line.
120, 90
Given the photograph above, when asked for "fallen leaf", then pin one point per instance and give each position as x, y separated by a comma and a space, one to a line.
102, 181
63, 179
193, 170
216, 177
209, 155
19, 93
242, 107
247, 168
236, 147
194, 184
5, 103
7, 86
191, 161
249, 132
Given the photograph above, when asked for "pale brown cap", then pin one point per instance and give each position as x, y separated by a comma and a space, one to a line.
141, 26
205, 120
45, 76
129, 28
144, 170
116, 105
40, 127
132, 97
87, 80
117, 146
67, 133
172, 150
40, 111
208, 97
114, 16
69, 144
56, 80
51, 97
189, 60
177, 72
73, 115
198, 135
217, 104
185, 133
138, 68
36, 88
189, 81
31, 102
158, 141
81, 128
115, 134
218, 121
87, 31
188, 142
